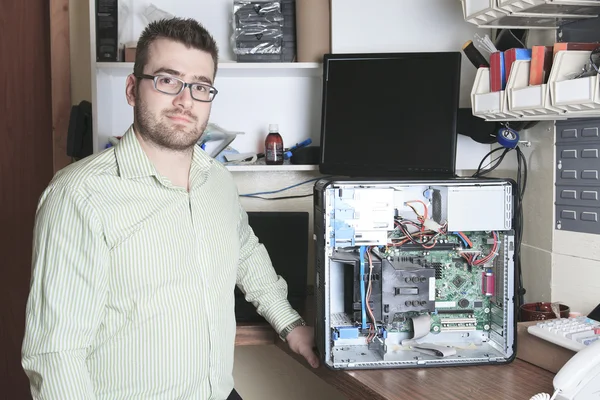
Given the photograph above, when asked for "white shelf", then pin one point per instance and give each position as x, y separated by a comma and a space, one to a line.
527, 14
242, 70
265, 168
581, 8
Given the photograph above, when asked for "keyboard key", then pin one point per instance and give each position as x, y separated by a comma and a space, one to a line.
576, 336
572, 333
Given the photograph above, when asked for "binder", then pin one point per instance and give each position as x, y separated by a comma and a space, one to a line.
574, 46
497, 72
512, 55
541, 64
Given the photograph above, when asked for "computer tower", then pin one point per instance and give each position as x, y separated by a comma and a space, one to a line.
414, 273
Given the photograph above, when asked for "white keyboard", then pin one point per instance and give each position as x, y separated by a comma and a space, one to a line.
572, 333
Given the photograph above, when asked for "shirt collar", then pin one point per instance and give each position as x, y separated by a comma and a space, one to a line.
133, 162
201, 164
131, 158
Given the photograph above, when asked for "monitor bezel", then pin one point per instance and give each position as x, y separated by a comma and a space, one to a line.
356, 169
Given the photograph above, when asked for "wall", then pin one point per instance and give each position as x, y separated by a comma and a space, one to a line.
576, 270
538, 209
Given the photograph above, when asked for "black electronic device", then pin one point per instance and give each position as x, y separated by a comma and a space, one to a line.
390, 114
285, 236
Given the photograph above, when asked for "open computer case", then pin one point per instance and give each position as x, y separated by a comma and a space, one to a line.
414, 273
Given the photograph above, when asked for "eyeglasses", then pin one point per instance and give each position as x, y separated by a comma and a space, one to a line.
173, 86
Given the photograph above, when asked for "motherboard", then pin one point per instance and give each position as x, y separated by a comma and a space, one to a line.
403, 282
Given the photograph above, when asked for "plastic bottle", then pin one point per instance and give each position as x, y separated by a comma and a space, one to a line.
274, 146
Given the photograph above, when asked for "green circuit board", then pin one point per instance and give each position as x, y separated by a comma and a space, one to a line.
460, 303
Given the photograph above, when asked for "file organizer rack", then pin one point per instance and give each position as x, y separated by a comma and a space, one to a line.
561, 98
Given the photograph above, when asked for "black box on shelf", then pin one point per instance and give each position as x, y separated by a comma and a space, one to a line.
107, 30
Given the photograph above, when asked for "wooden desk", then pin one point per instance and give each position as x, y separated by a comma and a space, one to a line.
515, 381
248, 333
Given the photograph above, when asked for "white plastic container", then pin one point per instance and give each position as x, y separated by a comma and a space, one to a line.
573, 95
486, 104
524, 99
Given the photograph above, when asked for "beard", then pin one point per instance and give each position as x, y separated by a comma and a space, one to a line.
175, 137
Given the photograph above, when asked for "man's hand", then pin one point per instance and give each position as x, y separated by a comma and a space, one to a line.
301, 341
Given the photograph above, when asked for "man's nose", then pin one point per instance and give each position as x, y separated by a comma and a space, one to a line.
184, 99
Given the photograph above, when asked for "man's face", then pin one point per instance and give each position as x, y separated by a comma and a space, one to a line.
173, 122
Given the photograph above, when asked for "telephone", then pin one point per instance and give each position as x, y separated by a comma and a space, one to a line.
579, 378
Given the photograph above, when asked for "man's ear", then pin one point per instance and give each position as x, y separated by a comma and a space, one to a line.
130, 89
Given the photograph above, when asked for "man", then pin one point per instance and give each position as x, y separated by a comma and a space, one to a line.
137, 250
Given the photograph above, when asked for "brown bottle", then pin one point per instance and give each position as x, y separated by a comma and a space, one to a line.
274, 146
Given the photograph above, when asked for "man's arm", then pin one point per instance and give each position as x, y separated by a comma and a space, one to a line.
257, 279
67, 296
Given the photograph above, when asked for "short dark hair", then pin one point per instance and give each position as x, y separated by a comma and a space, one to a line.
188, 32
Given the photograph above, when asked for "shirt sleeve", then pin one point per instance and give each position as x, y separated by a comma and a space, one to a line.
67, 296
258, 280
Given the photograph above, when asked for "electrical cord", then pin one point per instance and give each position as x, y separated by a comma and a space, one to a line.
278, 198
484, 171
279, 190
545, 396
518, 207
521, 186
516, 38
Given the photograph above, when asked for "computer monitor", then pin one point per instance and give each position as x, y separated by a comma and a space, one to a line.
390, 115
285, 236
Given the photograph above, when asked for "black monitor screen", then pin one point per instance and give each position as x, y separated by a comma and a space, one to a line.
390, 114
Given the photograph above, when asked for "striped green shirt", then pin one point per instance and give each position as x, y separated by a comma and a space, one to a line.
132, 290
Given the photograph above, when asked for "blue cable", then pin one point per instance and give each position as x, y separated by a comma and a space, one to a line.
280, 190
362, 287
461, 238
